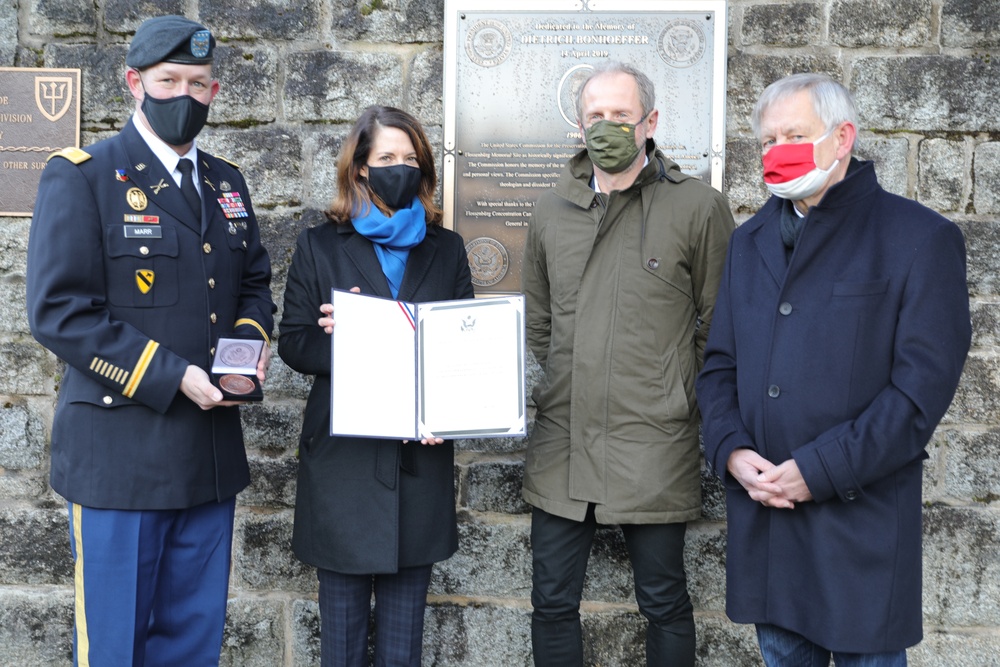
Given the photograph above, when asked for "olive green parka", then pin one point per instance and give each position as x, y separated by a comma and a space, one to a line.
619, 293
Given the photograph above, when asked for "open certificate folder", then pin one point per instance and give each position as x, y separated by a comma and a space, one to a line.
446, 369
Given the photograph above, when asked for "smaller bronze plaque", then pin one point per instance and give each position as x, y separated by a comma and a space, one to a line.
39, 114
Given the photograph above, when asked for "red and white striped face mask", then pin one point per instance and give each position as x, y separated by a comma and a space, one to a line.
790, 170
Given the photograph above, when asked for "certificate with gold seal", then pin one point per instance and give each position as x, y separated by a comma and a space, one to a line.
446, 369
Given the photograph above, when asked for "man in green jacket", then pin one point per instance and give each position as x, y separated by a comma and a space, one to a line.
622, 263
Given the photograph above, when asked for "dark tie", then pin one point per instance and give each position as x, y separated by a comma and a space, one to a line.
190, 192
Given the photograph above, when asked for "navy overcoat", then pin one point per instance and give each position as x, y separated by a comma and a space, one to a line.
844, 356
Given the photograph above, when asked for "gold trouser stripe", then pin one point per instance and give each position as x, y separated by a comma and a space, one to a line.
247, 320
82, 640
140, 368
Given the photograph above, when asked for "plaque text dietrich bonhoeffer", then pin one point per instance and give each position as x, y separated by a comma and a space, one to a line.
39, 114
511, 80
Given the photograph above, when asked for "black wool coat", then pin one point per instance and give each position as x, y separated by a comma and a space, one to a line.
346, 520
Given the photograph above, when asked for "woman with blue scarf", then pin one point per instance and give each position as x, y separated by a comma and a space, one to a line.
372, 515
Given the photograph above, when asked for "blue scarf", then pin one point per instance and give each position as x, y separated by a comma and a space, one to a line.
393, 237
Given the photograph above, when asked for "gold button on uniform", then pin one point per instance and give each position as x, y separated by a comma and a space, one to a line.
143, 250
108, 400
212, 351
213, 318
211, 283
207, 248
244, 244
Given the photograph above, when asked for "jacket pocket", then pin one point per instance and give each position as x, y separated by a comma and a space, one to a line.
867, 288
676, 394
141, 272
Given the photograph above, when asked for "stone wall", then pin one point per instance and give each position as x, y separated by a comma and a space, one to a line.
295, 74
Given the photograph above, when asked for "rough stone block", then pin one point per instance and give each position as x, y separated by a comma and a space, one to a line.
62, 18
970, 23
36, 627
35, 547
31, 486
986, 166
283, 381
744, 180
493, 559
335, 86
961, 567
13, 315
750, 74
25, 368
393, 21
485, 636
269, 158
985, 323
122, 17
978, 397
279, 231
22, 435
271, 427
8, 34
254, 635
248, 92
982, 244
722, 643
305, 633
955, 648
263, 19
425, 97
321, 149
14, 244
890, 155
926, 93
105, 98
494, 486
262, 554
942, 174
272, 482
972, 466
801, 24
882, 24
713, 496
496, 445
705, 565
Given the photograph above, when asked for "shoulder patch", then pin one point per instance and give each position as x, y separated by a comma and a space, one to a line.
232, 164
74, 155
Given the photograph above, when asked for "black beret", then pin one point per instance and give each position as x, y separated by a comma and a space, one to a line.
172, 39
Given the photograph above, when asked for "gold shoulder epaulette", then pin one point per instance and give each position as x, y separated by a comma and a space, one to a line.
233, 164
74, 155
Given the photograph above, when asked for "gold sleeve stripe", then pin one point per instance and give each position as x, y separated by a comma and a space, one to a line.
247, 320
93, 364
103, 368
140, 368
121, 375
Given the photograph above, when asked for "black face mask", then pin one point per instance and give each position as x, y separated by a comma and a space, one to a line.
176, 120
396, 185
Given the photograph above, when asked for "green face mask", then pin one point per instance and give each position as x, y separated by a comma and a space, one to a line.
611, 145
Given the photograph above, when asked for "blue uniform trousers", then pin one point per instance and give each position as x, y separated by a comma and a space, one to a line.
151, 585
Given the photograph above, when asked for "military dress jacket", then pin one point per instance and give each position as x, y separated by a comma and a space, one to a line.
128, 287
843, 357
366, 505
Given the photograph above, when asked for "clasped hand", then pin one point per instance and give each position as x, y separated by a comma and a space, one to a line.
779, 486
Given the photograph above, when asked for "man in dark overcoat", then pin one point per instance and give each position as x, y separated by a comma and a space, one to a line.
840, 332
143, 252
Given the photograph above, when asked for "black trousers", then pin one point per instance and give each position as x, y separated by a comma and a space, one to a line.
560, 551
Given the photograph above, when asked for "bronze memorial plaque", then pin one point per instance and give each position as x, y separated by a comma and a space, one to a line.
510, 81
39, 114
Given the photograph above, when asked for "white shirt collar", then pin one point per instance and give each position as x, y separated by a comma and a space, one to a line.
593, 179
167, 155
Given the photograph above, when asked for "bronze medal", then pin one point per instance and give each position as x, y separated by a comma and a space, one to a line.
236, 384
136, 198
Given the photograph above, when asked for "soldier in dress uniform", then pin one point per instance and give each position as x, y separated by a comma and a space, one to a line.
143, 251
